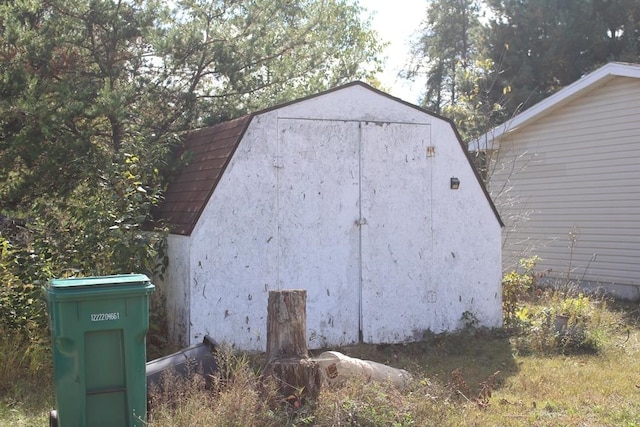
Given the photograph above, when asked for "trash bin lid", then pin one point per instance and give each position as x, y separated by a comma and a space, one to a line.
82, 282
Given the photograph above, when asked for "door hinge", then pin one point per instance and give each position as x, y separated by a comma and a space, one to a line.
431, 151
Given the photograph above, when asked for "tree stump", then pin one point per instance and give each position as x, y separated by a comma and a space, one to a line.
296, 376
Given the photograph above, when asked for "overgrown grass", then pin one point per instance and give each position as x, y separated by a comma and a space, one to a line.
236, 398
482, 378
26, 384
471, 378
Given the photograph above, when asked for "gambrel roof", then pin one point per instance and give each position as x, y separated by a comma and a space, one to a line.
207, 153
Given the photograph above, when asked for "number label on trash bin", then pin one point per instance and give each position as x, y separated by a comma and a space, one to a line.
100, 317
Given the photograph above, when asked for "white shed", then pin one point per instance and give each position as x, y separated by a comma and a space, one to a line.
347, 194
566, 179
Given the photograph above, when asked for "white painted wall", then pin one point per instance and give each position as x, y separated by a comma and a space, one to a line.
318, 206
336, 195
234, 249
175, 288
467, 242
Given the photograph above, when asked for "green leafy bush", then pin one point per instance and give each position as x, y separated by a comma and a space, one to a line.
21, 307
578, 308
561, 321
95, 231
515, 286
556, 320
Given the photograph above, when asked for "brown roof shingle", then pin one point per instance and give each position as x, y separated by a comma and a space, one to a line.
207, 153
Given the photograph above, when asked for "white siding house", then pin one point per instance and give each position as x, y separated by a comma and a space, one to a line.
566, 180
346, 194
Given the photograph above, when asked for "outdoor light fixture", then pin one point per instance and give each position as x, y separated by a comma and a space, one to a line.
455, 183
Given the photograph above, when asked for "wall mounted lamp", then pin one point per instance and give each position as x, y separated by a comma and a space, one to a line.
455, 183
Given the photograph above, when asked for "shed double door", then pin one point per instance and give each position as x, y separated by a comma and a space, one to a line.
354, 226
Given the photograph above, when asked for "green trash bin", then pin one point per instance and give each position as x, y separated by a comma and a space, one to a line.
98, 329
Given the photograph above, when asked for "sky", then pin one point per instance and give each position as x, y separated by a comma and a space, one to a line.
396, 21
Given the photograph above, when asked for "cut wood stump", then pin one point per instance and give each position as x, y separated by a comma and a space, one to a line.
295, 379
296, 376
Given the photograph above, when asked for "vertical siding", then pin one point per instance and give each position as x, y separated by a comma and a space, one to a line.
576, 171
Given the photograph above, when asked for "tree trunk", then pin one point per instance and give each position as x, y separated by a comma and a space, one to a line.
287, 325
296, 376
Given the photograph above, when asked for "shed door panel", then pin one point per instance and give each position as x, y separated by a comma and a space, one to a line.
396, 236
318, 205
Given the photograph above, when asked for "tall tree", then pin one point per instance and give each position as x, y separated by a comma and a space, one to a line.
251, 54
95, 92
541, 46
85, 81
487, 60
445, 49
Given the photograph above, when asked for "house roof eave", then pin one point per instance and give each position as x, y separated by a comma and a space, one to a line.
585, 84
